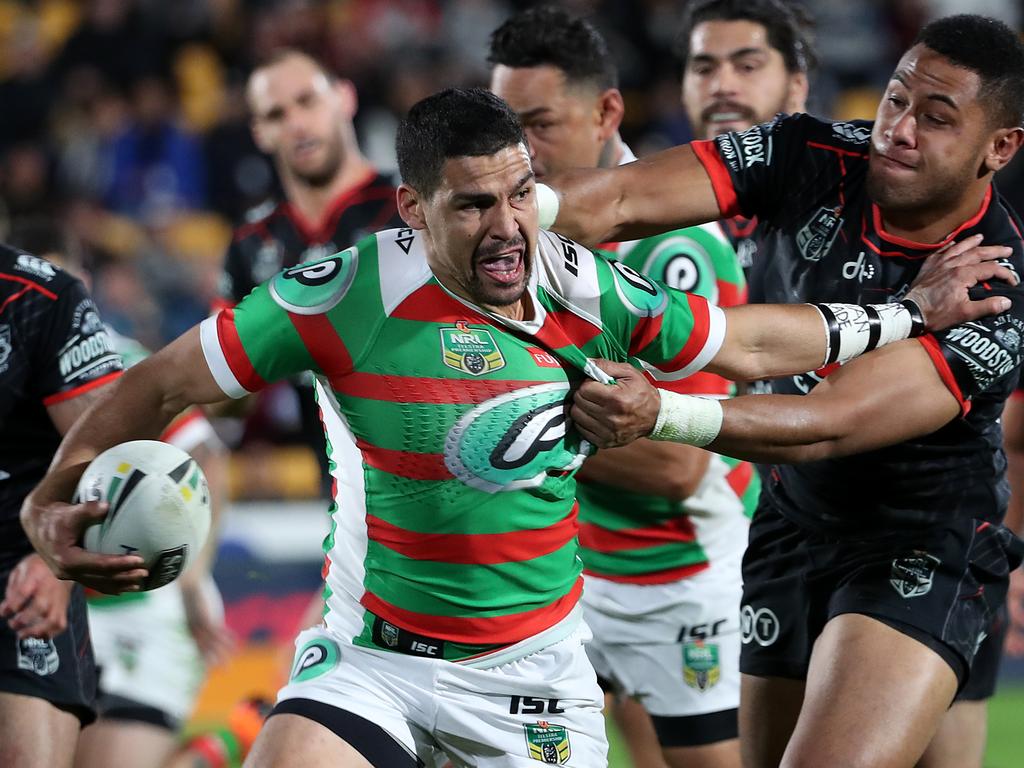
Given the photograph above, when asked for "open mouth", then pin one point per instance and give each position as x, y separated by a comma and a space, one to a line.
503, 268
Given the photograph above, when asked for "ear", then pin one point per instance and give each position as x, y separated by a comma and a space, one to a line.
609, 111
1003, 146
410, 207
796, 93
347, 97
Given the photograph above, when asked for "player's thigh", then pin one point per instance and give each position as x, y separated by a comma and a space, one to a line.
545, 707
124, 744
636, 730
960, 740
769, 709
292, 741
874, 697
34, 732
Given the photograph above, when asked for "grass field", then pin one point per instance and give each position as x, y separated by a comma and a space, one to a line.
1005, 738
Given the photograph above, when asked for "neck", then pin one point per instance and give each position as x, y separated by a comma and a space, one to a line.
611, 153
312, 202
925, 226
520, 310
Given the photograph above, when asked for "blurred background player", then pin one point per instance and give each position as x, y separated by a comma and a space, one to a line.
744, 61
301, 115
56, 358
151, 647
663, 526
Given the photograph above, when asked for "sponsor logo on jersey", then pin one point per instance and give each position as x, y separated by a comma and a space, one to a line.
638, 294
85, 318
35, 266
542, 358
5, 346
570, 258
850, 132
982, 350
317, 286
859, 269
84, 355
758, 625
38, 655
515, 440
701, 667
817, 235
470, 350
681, 272
317, 657
547, 743
912, 576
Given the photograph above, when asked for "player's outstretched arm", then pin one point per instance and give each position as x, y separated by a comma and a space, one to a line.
881, 399
765, 341
665, 191
139, 405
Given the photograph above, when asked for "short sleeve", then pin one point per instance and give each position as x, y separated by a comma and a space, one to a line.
76, 352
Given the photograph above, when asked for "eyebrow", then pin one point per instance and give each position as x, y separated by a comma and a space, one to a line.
531, 113
737, 54
933, 96
486, 197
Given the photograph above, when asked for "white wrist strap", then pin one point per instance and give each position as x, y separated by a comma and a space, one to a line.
687, 419
852, 329
547, 206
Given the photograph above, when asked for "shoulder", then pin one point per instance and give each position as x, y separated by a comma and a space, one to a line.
22, 270
255, 219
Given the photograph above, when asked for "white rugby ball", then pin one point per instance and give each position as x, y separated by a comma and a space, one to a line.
159, 506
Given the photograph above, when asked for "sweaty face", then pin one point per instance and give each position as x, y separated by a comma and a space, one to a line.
297, 114
930, 135
562, 122
734, 79
482, 226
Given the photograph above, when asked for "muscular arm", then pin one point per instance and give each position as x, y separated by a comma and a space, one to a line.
765, 341
668, 190
669, 470
884, 398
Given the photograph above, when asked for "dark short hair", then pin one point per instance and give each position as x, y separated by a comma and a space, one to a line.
789, 26
993, 51
455, 122
549, 36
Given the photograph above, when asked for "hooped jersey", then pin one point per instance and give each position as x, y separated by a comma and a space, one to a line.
640, 538
455, 513
824, 240
53, 347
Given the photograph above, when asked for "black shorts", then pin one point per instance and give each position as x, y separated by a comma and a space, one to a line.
981, 684
61, 670
943, 586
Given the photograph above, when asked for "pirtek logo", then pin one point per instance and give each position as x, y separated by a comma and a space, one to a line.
858, 269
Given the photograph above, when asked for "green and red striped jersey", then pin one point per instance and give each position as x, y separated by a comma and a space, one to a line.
644, 539
451, 448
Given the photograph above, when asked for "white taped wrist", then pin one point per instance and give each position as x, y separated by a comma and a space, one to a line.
547, 206
687, 419
852, 329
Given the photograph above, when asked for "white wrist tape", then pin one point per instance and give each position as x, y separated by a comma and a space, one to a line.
547, 206
687, 419
852, 329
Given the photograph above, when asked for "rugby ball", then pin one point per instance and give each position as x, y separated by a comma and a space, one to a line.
159, 506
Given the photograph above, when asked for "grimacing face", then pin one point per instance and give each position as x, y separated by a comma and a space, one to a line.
930, 137
297, 114
480, 225
734, 79
562, 121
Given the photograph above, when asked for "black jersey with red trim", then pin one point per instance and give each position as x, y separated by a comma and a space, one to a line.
823, 240
276, 236
53, 347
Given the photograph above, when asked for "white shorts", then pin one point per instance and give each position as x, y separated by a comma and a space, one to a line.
544, 707
675, 646
145, 652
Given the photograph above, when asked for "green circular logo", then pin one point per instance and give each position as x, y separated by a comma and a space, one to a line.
638, 294
514, 440
315, 658
316, 286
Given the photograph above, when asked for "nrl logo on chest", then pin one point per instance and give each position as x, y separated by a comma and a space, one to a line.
470, 350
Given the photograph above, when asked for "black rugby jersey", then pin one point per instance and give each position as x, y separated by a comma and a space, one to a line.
823, 240
276, 236
53, 347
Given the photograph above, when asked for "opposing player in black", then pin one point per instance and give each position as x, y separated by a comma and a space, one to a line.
869, 580
55, 356
333, 197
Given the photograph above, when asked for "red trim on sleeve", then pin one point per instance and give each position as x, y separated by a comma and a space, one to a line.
698, 334
234, 353
220, 303
725, 193
70, 394
931, 346
190, 416
35, 286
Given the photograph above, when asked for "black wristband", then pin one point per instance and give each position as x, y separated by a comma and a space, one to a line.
917, 326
